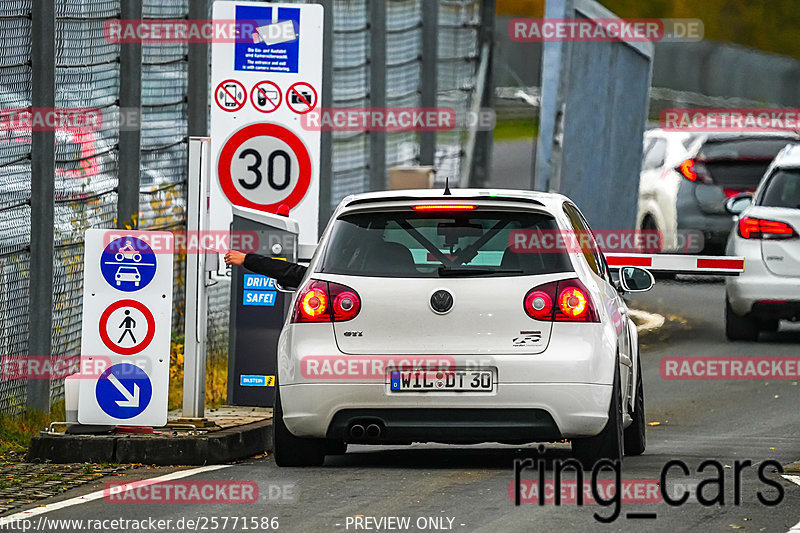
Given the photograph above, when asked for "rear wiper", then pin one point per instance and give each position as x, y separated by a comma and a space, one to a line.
445, 271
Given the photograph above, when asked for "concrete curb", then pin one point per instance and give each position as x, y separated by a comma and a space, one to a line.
214, 447
650, 321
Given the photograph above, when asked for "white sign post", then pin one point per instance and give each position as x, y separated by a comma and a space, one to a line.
127, 321
262, 85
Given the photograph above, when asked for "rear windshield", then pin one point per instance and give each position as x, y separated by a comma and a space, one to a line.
751, 148
782, 190
439, 244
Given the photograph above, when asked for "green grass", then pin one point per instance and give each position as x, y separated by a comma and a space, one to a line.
16, 431
513, 130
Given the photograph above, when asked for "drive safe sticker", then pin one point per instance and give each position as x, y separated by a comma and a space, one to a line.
261, 298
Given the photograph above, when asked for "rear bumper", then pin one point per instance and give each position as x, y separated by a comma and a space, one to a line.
777, 309
757, 291
454, 426
523, 412
715, 226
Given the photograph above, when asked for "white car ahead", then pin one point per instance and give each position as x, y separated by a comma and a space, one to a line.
766, 234
532, 344
686, 178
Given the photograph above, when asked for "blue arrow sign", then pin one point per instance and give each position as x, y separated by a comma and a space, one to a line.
123, 391
128, 264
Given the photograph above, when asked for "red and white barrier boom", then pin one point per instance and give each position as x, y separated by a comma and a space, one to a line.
680, 264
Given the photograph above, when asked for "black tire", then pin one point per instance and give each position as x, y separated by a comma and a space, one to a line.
335, 447
290, 450
739, 328
608, 444
635, 437
770, 325
649, 224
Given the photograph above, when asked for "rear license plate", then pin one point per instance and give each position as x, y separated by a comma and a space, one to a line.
443, 381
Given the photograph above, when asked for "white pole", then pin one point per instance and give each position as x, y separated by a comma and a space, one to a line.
194, 360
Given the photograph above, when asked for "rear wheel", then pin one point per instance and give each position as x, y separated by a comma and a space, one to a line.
635, 438
609, 442
649, 224
739, 328
335, 447
290, 450
770, 325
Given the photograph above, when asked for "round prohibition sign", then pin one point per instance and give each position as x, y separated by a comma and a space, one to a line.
266, 96
230, 96
142, 344
303, 95
261, 161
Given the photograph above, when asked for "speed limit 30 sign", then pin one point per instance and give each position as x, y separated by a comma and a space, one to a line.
264, 166
264, 84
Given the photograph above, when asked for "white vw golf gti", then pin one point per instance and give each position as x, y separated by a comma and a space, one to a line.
431, 318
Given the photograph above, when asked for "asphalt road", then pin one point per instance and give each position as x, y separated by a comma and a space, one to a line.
724, 421
449, 488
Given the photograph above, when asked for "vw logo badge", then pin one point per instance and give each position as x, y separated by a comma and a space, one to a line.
441, 301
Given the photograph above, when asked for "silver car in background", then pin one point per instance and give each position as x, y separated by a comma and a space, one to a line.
766, 235
686, 178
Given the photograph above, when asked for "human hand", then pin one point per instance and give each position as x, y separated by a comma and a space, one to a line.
234, 257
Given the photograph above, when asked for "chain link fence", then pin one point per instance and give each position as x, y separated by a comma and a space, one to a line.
87, 162
15, 180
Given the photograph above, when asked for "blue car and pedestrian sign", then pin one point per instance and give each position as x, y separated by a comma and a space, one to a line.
128, 264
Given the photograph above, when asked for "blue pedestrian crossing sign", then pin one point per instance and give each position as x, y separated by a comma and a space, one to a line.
128, 264
123, 391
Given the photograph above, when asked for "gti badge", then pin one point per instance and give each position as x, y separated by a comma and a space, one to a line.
353, 333
441, 301
528, 338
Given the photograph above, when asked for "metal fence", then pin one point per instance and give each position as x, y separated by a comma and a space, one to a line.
15, 175
88, 166
458, 55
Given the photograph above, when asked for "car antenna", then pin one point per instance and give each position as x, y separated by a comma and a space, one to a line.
447, 187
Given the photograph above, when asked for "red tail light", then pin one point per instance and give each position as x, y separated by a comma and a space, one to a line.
346, 303
687, 169
561, 301
538, 302
693, 170
321, 301
757, 228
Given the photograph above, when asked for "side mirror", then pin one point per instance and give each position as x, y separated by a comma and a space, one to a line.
737, 204
635, 279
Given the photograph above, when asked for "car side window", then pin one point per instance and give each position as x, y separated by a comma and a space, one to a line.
648, 145
586, 240
782, 189
598, 253
655, 156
